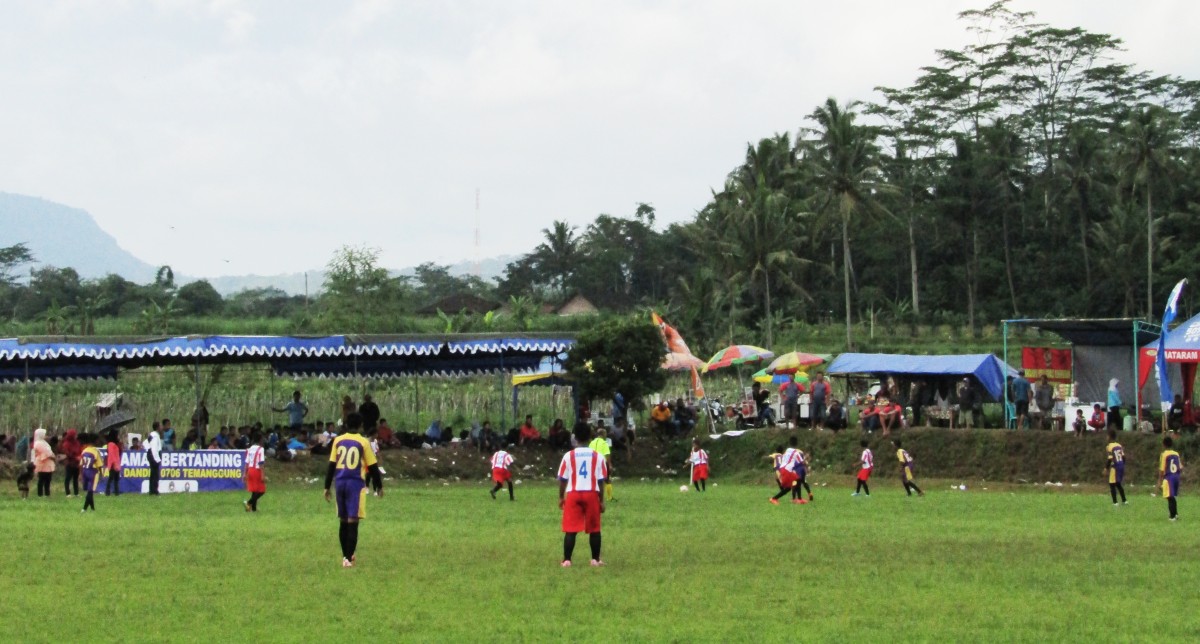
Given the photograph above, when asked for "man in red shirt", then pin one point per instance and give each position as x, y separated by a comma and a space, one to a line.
529, 433
581, 476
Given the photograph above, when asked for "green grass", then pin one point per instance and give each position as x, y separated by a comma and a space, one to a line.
445, 562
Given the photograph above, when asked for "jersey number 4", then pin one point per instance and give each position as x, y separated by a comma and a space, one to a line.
583, 469
347, 458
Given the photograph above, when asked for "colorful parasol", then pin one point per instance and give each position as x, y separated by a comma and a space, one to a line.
681, 362
794, 361
738, 354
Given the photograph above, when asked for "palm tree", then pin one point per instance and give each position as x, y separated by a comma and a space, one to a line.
1079, 166
1145, 155
1118, 241
556, 257
843, 156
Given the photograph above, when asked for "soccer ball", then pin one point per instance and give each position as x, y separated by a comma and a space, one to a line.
683, 488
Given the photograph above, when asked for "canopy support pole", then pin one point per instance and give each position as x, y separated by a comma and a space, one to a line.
1004, 412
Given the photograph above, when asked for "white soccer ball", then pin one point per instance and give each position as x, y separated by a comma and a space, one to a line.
683, 488
963, 486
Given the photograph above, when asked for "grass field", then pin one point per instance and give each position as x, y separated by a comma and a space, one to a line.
440, 562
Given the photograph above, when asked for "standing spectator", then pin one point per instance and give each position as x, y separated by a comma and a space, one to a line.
529, 434
1114, 404
618, 408
820, 391
348, 408
43, 461
295, 410
21, 448
916, 398
112, 462
791, 401
154, 457
71, 450
1021, 393
1043, 398
970, 404
168, 435
369, 412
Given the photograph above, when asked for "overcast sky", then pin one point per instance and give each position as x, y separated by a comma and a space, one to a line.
271, 133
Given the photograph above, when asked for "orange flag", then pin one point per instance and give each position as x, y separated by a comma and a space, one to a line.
697, 387
675, 343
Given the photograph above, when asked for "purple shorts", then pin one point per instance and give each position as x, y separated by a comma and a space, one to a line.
351, 499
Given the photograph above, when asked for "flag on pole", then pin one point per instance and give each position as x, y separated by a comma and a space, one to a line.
697, 386
675, 343
1164, 381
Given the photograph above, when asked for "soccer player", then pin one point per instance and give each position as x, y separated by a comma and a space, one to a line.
90, 463
351, 463
699, 460
603, 447
866, 464
800, 467
1170, 467
256, 483
787, 473
501, 461
776, 459
906, 469
1115, 467
580, 474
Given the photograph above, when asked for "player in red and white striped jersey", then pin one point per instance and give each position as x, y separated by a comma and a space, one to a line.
581, 477
699, 461
256, 483
787, 472
501, 461
866, 464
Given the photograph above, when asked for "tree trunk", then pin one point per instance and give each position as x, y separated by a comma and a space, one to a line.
767, 303
1149, 253
1008, 272
972, 278
846, 276
912, 262
1083, 239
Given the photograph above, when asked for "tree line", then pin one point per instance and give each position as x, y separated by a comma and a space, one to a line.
1031, 173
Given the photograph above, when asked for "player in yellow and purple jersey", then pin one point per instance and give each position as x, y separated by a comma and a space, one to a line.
1170, 468
351, 464
90, 464
906, 470
1115, 467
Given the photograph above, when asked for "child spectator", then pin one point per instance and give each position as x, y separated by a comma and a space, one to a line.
1097, 422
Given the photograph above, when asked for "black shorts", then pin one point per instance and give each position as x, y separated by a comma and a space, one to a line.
1022, 407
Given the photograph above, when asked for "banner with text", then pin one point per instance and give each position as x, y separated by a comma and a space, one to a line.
1055, 364
191, 471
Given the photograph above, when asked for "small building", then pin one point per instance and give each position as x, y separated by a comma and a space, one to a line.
577, 305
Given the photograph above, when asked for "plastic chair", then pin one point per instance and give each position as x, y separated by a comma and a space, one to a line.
1010, 415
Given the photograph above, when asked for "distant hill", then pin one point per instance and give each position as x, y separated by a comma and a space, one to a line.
66, 237
63, 236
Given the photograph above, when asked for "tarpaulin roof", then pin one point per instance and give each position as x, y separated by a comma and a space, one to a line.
987, 369
47, 358
1104, 332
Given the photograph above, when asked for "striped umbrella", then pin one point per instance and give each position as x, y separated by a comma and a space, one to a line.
794, 361
738, 354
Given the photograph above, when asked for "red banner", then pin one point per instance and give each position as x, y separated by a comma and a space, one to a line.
1055, 364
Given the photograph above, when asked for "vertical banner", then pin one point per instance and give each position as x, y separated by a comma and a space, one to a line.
1164, 381
1055, 364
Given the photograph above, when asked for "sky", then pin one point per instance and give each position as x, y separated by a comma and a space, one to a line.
225, 137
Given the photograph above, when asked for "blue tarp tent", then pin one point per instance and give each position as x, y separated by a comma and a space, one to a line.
986, 368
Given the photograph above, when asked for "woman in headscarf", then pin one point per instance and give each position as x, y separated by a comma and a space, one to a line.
71, 449
1114, 404
43, 461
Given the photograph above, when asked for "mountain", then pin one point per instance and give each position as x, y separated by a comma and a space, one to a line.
63, 236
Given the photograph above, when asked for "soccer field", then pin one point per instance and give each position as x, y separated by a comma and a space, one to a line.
439, 562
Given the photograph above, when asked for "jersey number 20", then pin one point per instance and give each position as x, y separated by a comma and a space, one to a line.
348, 459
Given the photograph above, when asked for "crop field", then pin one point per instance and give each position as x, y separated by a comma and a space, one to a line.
445, 562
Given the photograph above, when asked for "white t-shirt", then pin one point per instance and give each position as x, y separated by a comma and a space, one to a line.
153, 447
501, 460
255, 457
582, 468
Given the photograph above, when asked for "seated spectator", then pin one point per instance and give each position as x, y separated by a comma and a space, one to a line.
529, 434
135, 445
387, 438
433, 434
489, 441
190, 441
513, 437
762, 404
891, 415
835, 416
868, 418
243, 439
1098, 420
447, 435
660, 420
1175, 416
557, 436
1079, 424
685, 417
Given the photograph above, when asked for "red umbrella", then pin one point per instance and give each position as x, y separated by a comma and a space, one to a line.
738, 354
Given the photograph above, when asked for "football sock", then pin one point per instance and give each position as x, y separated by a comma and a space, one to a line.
343, 539
352, 538
916, 489
858, 487
806, 487
866, 490
1121, 489
568, 545
781, 494
696, 484
496, 489
510, 491
1112, 491
1172, 507
907, 488
594, 542
89, 502
703, 484
254, 497
608, 491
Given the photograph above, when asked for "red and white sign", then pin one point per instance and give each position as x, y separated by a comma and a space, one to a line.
1183, 355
